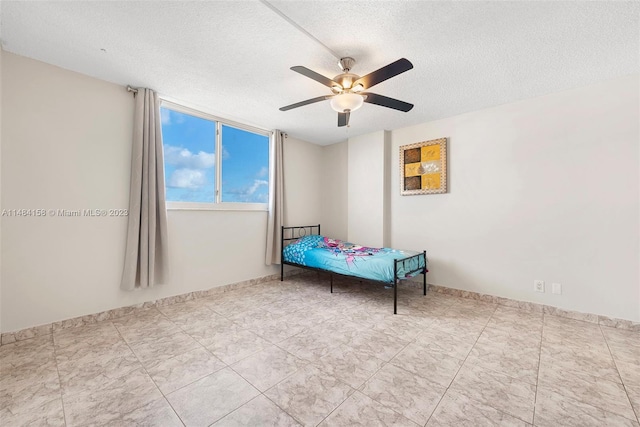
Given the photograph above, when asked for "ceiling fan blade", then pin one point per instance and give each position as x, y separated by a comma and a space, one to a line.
396, 104
343, 119
315, 76
307, 102
384, 73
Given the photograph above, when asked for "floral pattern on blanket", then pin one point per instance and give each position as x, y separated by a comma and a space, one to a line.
348, 250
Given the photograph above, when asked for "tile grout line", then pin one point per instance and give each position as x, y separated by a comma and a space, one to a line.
357, 389
249, 401
635, 412
452, 303
463, 362
591, 404
307, 362
147, 372
55, 359
371, 376
340, 404
282, 409
317, 367
227, 365
389, 363
242, 404
262, 393
535, 398
194, 381
408, 372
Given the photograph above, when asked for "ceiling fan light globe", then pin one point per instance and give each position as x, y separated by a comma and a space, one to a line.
346, 101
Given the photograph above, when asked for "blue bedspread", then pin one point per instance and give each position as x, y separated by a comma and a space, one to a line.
353, 260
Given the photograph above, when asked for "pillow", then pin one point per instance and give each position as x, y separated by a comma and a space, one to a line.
307, 242
294, 252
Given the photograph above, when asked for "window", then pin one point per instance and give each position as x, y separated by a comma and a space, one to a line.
245, 166
213, 164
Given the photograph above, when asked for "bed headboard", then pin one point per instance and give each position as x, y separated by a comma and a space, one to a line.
294, 233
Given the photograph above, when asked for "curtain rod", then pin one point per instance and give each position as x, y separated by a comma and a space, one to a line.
132, 89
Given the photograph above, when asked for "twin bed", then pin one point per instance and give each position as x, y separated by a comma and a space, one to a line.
304, 247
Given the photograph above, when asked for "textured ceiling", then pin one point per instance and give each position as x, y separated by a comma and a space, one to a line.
232, 58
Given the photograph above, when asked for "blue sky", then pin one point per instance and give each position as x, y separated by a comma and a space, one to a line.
189, 157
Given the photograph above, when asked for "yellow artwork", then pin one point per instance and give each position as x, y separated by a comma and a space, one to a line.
430, 153
411, 169
423, 167
431, 181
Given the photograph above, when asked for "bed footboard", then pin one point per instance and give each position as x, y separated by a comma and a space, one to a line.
412, 265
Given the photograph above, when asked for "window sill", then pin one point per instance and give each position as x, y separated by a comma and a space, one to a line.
191, 206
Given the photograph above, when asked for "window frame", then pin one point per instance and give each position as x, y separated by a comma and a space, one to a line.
218, 204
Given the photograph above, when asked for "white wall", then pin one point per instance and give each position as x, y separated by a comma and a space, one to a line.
546, 188
302, 175
366, 183
333, 191
386, 191
66, 145
1, 52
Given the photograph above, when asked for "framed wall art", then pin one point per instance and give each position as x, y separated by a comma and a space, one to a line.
423, 167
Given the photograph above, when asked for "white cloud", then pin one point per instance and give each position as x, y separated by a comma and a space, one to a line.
169, 117
262, 198
165, 116
257, 183
184, 158
264, 171
247, 193
187, 178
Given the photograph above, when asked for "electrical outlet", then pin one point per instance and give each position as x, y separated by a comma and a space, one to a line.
538, 285
556, 288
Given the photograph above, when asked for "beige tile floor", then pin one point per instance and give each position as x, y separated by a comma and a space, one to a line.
287, 354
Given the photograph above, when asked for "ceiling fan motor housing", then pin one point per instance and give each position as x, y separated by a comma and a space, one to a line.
346, 81
346, 64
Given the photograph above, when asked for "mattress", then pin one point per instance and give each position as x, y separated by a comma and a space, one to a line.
352, 260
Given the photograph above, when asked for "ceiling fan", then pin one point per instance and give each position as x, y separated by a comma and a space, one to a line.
349, 89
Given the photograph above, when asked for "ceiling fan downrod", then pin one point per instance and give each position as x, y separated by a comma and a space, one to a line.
346, 64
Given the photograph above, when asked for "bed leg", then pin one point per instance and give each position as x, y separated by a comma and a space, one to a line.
281, 271
424, 274
424, 283
395, 298
331, 275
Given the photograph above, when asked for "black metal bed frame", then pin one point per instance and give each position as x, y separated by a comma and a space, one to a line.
302, 231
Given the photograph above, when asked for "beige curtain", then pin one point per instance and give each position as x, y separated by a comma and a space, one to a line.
276, 201
145, 262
